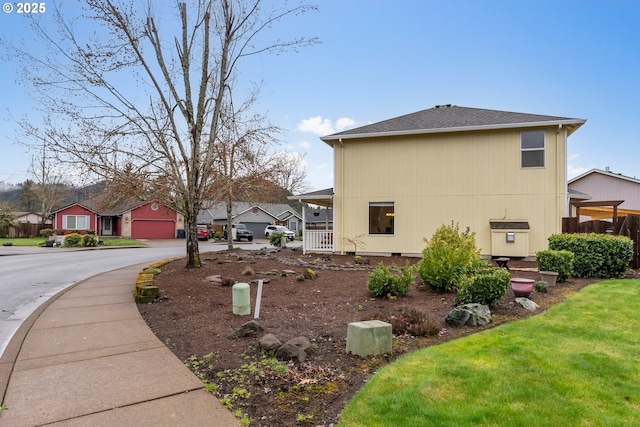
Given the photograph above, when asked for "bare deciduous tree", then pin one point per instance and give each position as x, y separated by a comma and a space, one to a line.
145, 90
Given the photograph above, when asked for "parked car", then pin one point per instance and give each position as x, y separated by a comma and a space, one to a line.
280, 229
239, 232
203, 232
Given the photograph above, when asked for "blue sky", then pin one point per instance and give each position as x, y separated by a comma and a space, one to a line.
381, 59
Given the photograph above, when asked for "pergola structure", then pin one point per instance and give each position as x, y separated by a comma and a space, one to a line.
598, 204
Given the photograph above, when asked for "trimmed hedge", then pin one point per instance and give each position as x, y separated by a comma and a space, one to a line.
485, 286
559, 261
595, 255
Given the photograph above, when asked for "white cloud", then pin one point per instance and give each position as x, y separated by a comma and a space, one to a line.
305, 145
322, 126
573, 171
344, 123
317, 125
321, 166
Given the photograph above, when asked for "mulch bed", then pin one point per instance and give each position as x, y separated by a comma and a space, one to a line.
194, 318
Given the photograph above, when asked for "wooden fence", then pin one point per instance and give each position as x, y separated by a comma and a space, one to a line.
621, 226
26, 229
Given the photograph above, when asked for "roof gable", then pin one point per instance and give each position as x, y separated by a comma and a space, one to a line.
451, 118
98, 206
218, 211
604, 173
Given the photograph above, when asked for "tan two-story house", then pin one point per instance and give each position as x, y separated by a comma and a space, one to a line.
502, 174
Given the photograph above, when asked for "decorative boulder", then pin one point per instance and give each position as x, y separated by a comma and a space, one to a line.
295, 349
269, 342
469, 315
527, 303
309, 274
251, 328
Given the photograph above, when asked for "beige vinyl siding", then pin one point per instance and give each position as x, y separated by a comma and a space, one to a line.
469, 178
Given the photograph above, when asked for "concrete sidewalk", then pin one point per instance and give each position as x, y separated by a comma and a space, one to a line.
87, 358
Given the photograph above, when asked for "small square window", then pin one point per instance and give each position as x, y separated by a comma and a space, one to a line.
381, 218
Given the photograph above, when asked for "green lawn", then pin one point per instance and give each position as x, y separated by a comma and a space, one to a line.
122, 242
574, 365
32, 241
38, 241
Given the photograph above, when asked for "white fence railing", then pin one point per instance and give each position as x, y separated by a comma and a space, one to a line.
318, 240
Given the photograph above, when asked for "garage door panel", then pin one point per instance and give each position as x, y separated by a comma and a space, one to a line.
153, 229
257, 228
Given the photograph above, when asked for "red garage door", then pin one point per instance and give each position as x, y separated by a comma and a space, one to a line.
153, 229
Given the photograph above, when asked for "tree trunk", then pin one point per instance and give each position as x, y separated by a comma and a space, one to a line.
191, 224
229, 225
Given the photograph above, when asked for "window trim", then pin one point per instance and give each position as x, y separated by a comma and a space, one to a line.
65, 222
392, 220
543, 149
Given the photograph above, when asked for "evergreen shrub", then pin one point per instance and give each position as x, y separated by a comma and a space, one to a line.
485, 286
595, 255
447, 257
383, 282
559, 261
73, 239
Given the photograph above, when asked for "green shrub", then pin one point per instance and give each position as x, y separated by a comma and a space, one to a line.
596, 255
275, 238
90, 239
558, 261
382, 282
73, 239
448, 256
485, 286
541, 287
46, 232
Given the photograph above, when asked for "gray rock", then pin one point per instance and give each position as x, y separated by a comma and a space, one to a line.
310, 274
217, 279
469, 315
269, 342
302, 343
288, 351
527, 303
251, 328
295, 349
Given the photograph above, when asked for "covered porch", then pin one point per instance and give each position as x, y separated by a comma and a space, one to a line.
319, 237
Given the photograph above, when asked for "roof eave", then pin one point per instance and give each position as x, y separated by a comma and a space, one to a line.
571, 124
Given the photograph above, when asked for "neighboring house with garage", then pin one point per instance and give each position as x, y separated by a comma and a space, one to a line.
132, 219
502, 174
256, 216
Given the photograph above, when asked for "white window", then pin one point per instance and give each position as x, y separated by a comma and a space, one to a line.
532, 149
75, 222
381, 216
293, 225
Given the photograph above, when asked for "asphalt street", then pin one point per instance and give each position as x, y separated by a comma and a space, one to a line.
30, 276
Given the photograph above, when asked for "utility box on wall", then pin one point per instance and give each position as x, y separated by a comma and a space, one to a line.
509, 238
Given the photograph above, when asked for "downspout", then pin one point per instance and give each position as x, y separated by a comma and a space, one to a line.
335, 241
564, 178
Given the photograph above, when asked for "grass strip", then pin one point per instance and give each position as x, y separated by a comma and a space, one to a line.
574, 365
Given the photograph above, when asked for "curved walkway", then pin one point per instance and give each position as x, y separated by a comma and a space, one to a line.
87, 358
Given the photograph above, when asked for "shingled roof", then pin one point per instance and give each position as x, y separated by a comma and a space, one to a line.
451, 118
